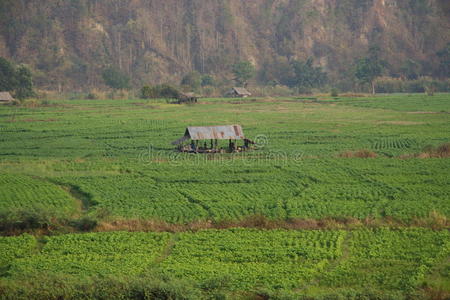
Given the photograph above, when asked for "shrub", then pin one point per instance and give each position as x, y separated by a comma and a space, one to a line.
25, 219
147, 92
159, 91
430, 90
92, 96
334, 93
85, 223
441, 151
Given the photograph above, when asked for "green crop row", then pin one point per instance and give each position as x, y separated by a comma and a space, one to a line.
24, 192
242, 259
314, 189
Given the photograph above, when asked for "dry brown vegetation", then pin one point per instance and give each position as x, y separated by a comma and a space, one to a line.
442, 151
434, 221
364, 153
52, 226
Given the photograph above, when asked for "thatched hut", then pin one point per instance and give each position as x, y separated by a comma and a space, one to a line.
5, 97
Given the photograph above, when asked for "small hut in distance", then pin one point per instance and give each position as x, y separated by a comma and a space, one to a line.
205, 139
5, 97
238, 92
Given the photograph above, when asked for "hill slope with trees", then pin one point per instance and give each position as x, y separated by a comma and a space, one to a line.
69, 44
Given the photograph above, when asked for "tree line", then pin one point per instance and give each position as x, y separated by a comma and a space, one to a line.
302, 76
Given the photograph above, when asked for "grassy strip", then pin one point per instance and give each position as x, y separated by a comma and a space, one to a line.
44, 222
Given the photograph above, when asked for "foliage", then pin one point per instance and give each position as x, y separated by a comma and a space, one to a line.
382, 263
307, 76
369, 68
159, 91
8, 79
243, 71
302, 75
193, 80
25, 83
419, 85
115, 78
410, 69
334, 92
15, 79
207, 80
444, 59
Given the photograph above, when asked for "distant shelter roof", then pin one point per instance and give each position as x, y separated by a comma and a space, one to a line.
6, 96
241, 91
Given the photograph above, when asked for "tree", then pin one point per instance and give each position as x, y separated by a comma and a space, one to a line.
192, 79
306, 76
159, 91
410, 69
18, 80
243, 71
369, 68
207, 80
444, 58
8, 79
24, 83
115, 79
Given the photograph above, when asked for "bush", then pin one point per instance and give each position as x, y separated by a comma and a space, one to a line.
420, 85
207, 80
193, 80
430, 90
48, 286
91, 96
147, 92
85, 223
334, 93
26, 219
159, 91
441, 151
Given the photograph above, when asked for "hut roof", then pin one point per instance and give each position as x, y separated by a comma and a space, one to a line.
6, 96
187, 95
227, 132
241, 91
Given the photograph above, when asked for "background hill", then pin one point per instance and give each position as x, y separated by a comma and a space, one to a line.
68, 43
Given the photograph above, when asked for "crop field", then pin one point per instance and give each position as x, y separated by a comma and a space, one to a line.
381, 260
118, 155
109, 165
19, 191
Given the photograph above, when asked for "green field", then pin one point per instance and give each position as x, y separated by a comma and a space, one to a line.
385, 262
118, 155
87, 158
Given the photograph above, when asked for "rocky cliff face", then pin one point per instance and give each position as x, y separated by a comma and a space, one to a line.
69, 42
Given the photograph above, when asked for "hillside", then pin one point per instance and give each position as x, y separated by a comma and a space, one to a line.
69, 43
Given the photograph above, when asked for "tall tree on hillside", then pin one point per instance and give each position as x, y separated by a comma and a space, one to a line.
243, 71
369, 68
